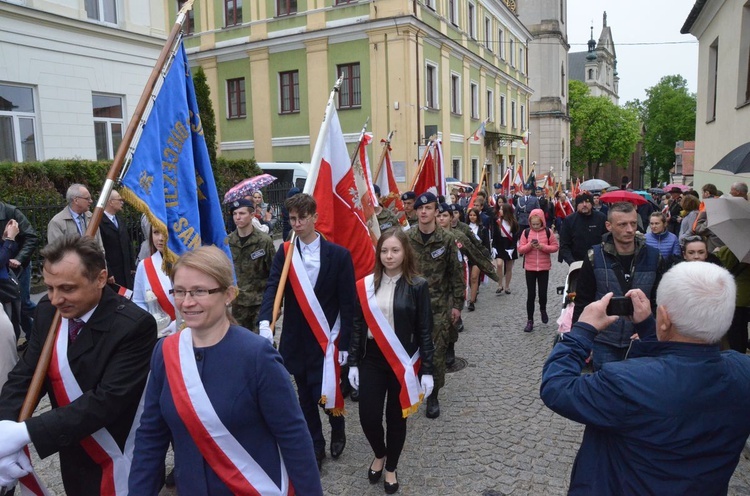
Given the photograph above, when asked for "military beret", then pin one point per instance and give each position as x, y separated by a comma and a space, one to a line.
376, 189
455, 207
424, 199
498, 185
409, 195
444, 207
240, 203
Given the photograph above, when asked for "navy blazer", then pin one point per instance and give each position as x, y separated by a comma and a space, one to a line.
336, 293
118, 250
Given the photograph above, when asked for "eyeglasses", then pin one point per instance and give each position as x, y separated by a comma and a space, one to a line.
87, 198
118, 200
301, 220
180, 294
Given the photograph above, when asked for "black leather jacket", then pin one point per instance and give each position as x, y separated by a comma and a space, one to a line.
412, 316
27, 239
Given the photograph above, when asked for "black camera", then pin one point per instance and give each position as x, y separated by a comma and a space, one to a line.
620, 305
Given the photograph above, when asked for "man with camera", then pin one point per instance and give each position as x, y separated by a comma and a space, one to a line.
621, 262
672, 418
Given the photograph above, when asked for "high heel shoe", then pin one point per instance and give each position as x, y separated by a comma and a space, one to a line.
391, 488
374, 475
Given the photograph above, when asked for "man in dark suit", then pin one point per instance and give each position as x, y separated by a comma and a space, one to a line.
97, 383
117, 246
330, 271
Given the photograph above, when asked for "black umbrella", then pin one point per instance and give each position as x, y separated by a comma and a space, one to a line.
656, 191
737, 161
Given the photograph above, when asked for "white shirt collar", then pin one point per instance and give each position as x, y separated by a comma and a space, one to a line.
313, 246
86, 316
384, 279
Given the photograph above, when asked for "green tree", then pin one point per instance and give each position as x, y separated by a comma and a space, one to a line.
600, 131
206, 109
668, 115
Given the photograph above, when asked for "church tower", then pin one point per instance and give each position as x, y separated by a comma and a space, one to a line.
549, 124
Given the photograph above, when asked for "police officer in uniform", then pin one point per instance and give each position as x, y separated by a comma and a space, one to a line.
437, 254
252, 252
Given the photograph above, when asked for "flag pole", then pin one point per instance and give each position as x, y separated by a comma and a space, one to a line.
175, 36
312, 178
381, 160
421, 163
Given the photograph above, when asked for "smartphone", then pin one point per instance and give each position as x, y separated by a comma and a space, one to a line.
620, 305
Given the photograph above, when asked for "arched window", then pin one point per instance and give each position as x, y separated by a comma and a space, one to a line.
591, 73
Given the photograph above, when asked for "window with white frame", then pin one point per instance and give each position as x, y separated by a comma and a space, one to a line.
488, 33
453, 12
472, 21
101, 10
501, 43
456, 166
513, 122
431, 83
236, 98
521, 60
474, 100
502, 110
286, 7
109, 123
189, 27
511, 49
490, 106
455, 93
430, 4
17, 124
713, 76
523, 118
232, 12
474, 169
743, 83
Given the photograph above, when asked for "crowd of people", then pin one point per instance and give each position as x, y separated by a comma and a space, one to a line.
150, 354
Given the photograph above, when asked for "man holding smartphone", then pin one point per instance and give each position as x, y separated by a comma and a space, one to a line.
620, 263
672, 418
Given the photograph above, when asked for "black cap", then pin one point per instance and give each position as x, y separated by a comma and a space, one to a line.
376, 189
240, 203
498, 185
409, 195
455, 207
443, 207
424, 199
584, 197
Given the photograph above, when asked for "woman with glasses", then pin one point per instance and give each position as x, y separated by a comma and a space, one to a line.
221, 394
150, 276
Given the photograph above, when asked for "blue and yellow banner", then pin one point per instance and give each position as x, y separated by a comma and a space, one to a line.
170, 177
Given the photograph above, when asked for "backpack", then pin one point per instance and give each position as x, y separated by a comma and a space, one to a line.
528, 229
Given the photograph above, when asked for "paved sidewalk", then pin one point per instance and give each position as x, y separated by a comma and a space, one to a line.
494, 436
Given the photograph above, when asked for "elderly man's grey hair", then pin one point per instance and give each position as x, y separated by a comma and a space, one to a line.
700, 299
74, 191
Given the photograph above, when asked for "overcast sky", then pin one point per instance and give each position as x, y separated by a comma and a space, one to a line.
639, 21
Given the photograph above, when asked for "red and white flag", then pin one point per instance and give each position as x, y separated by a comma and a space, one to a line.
518, 179
525, 138
365, 190
439, 163
426, 179
389, 193
341, 218
505, 183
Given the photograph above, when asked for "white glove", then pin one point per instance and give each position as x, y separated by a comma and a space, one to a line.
354, 377
13, 467
264, 328
494, 253
169, 330
343, 355
428, 384
13, 437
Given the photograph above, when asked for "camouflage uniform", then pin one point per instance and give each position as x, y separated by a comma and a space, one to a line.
439, 264
466, 230
252, 264
474, 257
412, 220
387, 219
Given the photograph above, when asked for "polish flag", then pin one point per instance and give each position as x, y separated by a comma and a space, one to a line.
341, 218
518, 180
391, 196
426, 179
505, 183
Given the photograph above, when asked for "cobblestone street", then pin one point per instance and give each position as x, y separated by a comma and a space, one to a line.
494, 436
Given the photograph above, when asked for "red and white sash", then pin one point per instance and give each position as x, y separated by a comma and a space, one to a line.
158, 281
327, 336
221, 450
404, 366
100, 446
31, 484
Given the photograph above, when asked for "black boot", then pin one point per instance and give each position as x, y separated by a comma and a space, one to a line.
433, 406
450, 356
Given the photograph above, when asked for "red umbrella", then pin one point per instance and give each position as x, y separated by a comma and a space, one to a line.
623, 196
247, 187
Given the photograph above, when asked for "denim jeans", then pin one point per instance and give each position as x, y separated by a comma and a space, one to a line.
604, 353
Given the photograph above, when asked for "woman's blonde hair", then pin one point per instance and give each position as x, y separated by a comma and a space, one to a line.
213, 262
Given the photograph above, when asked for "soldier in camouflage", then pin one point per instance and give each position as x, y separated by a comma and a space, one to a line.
411, 215
437, 255
386, 218
456, 224
252, 252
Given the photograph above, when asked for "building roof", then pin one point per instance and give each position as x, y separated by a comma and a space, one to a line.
577, 66
692, 16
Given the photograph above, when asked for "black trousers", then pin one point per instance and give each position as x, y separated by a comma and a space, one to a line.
532, 279
737, 333
308, 390
376, 380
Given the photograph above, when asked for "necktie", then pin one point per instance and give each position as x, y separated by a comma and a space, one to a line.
114, 221
74, 329
81, 224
